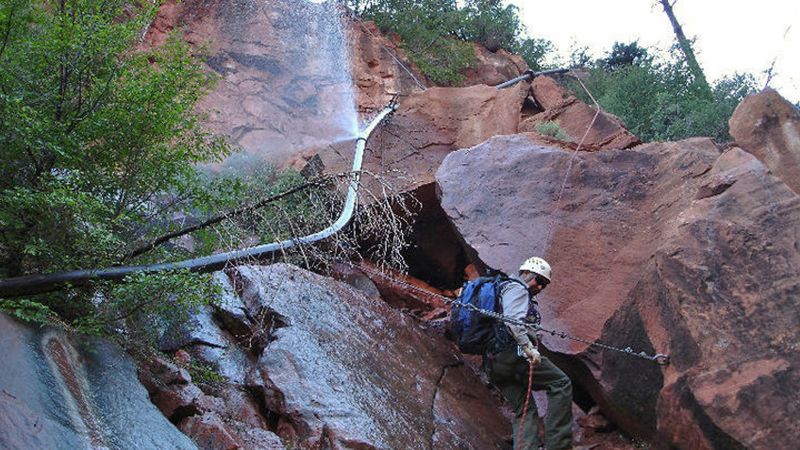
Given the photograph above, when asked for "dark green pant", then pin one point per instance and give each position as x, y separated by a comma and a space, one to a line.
509, 373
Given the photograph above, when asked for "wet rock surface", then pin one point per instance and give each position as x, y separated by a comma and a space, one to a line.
768, 126
327, 366
355, 373
282, 88
672, 248
68, 392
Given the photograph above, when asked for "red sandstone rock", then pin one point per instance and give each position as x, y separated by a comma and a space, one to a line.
182, 357
574, 117
428, 125
768, 126
493, 68
376, 71
671, 248
416, 295
209, 432
277, 94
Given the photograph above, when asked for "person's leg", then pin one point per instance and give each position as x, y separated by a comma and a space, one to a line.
509, 373
558, 420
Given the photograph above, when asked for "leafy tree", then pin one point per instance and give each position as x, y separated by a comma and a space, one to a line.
435, 33
490, 24
99, 140
658, 100
535, 52
622, 54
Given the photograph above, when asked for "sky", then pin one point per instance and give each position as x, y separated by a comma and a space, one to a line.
731, 35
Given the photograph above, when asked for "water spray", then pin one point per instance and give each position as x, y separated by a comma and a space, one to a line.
37, 284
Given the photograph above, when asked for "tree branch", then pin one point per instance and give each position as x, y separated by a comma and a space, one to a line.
227, 215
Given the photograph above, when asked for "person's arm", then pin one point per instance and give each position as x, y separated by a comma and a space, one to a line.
515, 306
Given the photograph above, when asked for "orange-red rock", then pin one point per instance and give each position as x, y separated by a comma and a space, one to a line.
672, 247
407, 149
768, 126
493, 68
575, 118
380, 67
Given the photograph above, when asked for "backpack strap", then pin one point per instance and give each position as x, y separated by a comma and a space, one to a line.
531, 299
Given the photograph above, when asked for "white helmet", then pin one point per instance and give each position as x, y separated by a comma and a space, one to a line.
536, 265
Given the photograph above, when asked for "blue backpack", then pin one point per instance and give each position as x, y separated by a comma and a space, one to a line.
474, 332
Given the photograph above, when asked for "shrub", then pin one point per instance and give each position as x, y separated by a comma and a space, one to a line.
657, 99
435, 33
552, 128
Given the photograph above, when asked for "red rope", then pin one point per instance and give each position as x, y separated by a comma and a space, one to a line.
527, 402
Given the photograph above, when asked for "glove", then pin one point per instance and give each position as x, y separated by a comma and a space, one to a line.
531, 354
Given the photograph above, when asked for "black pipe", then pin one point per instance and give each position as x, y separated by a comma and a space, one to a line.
39, 284
529, 75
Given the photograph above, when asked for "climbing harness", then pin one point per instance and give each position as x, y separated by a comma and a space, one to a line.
658, 358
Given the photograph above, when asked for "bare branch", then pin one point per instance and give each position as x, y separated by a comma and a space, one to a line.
227, 215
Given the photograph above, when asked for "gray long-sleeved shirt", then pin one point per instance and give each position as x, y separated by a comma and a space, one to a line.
515, 305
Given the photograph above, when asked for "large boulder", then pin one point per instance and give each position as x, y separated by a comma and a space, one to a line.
672, 248
768, 126
493, 68
62, 391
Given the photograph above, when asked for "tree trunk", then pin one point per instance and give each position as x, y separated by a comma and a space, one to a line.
686, 47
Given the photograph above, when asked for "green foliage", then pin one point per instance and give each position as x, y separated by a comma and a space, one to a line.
203, 373
427, 29
436, 33
535, 52
92, 133
552, 128
146, 303
100, 146
490, 24
658, 100
27, 310
622, 55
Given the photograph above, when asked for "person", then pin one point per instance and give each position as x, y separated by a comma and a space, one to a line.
510, 357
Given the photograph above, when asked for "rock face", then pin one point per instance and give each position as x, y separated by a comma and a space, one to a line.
493, 68
326, 366
283, 91
574, 117
322, 372
671, 248
376, 71
406, 150
282, 85
768, 126
65, 392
